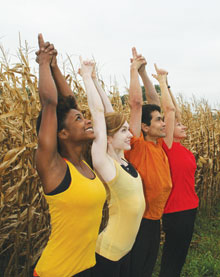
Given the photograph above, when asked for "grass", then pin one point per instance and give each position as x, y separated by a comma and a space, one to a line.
203, 259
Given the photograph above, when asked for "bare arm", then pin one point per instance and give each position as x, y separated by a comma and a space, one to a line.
178, 111
167, 105
135, 94
105, 100
60, 81
101, 161
50, 165
151, 94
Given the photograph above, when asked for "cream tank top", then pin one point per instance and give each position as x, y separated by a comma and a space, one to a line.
126, 204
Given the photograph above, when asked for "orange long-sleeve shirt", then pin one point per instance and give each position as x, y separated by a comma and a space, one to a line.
152, 163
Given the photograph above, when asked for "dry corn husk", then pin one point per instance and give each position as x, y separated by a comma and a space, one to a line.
24, 224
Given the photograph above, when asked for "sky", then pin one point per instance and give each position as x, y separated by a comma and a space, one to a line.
182, 37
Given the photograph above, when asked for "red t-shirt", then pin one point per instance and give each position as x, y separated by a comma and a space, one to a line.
182, 166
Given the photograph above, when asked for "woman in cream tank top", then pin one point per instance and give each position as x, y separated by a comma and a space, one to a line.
123, 184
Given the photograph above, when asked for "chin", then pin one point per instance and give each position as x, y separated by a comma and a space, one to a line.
127, 147
163, 135
92, 136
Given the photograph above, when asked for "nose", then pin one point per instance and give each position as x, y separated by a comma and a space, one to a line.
88, 122
130, 134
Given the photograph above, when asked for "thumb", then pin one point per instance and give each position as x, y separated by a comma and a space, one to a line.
155, 66
37, 52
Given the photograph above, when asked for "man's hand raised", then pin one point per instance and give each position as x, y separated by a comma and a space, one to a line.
138, 61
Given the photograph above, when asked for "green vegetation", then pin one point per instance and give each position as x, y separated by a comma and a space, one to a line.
203, 258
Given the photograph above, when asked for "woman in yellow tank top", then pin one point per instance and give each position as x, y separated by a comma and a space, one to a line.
123, 184
73, 192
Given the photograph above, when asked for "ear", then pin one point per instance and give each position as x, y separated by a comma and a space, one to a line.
144, 128
109, 139
63, 134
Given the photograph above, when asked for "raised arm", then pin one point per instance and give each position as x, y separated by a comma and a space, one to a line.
167, 105
101, 161
178, 110
60, 81
151, 94
105, 100
50, 165
135, 93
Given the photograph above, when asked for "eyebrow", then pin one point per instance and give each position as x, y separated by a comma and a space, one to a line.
77, 114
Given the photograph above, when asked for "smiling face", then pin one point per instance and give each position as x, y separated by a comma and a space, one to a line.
122, 138
77, 128
156, 129
179, 131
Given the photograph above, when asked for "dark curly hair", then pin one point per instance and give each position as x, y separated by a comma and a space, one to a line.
65, 104
147, 109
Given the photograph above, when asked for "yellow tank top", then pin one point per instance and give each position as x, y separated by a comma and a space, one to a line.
75, 220
126, 204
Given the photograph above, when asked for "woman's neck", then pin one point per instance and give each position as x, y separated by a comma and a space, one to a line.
116, 154
73, 154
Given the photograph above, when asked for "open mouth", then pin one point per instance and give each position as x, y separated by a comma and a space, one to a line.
90, 129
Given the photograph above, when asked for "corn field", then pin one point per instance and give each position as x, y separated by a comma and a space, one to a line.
24, 218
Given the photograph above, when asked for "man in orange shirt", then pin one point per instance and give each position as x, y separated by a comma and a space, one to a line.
148, 157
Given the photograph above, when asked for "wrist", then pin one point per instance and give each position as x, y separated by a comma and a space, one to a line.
162, 81
44, 63
133, 67
142, 72
53, 65
86, 75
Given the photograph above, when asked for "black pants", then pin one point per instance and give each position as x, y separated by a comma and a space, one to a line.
84, 273
178, 228
107, 268
145, 249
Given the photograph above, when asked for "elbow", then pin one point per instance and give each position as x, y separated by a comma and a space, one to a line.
135, 103
97, 111
49, 102
170, 109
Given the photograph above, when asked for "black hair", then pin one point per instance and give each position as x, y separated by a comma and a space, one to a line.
147, 109
65, 104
